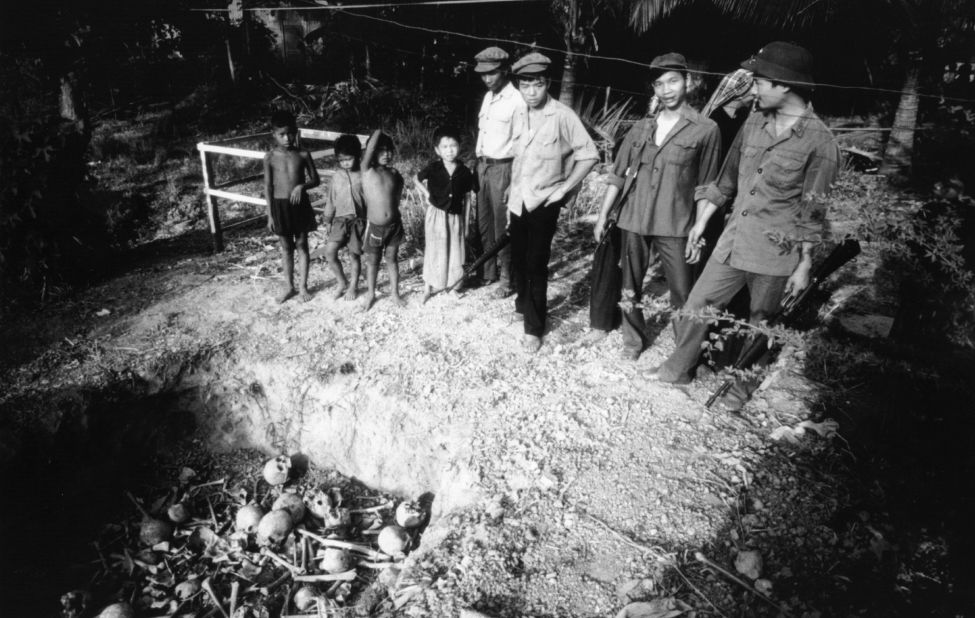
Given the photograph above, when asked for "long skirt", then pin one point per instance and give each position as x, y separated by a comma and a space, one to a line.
443, 256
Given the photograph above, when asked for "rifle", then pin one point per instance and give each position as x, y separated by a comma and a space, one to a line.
489, 253
840, 255
630, 178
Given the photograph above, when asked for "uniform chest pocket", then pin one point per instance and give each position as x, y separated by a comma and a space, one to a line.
785, 173
680, 152
548, 147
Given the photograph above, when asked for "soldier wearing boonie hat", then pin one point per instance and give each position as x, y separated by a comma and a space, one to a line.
778, 170
494, 155
553, 153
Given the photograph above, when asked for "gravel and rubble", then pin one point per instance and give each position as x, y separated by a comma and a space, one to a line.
587, 489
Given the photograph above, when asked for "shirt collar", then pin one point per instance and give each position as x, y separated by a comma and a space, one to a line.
799, 127
506, 92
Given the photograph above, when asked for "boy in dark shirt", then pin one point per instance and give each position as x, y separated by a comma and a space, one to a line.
345, 213
382, 187
446, 187
288, 174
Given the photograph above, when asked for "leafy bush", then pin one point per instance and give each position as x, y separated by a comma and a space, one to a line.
53, 228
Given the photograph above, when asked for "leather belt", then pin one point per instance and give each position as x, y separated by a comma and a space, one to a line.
491, 161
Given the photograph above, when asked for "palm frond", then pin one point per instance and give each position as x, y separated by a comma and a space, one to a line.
645, 13
781, 13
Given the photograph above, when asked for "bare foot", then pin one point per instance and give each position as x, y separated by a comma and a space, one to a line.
339, 291
531, 343
285, 295
350, 293
426, 296
305, 295
367, 301
398, 300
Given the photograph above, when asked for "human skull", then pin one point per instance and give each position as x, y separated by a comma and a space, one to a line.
153, 531
248, 517
409, 514
118, 610
291, 503
276, 470
305, 598
274, 527
334, 560
393, 540
320, 504
178, 513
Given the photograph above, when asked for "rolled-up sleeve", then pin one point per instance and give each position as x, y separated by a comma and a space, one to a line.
583, 148
724, 187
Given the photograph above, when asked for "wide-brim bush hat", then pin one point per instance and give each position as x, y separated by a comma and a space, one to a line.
782, 62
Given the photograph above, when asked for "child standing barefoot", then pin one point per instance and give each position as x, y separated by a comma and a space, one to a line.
446, 186
345, 214
382, 187
288, 174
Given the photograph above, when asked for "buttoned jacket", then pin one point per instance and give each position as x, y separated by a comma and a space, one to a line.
661, 201
780, 184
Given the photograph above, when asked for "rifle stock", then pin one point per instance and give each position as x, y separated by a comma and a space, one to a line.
489, 253
840, 255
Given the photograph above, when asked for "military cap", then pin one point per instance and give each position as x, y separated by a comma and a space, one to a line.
490, 59
671, 61
531, 64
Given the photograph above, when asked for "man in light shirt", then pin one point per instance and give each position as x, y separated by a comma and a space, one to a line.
494, 156
553, 153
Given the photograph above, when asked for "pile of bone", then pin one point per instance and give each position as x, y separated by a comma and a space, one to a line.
211, 550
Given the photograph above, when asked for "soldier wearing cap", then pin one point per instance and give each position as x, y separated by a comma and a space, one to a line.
553, 153
664, 157
494, 155
779, 168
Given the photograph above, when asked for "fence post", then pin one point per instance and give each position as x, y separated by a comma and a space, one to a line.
216, 233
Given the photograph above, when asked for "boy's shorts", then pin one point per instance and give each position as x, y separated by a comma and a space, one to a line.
291, 220
347, 231
378, 237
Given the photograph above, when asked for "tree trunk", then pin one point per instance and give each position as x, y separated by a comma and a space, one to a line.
567, 90
72, 106
900, 146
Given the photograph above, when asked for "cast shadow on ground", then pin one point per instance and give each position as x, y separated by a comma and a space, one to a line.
68, 484
876, 521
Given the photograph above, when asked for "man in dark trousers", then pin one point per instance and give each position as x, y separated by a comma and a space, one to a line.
494, 155
553, 153
668, 155
781, 165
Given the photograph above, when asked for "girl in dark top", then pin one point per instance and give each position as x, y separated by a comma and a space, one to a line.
446, 186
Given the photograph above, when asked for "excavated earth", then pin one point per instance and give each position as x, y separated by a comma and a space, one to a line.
565, 483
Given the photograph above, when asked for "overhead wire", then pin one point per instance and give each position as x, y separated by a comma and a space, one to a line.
629, 61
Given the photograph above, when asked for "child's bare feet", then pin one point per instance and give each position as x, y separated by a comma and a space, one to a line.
426, 296
339, 291
285, 295
305, 295
398, 300
350, 293
367, 301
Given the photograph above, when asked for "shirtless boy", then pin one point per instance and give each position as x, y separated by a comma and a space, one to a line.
288, 174
381, 187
